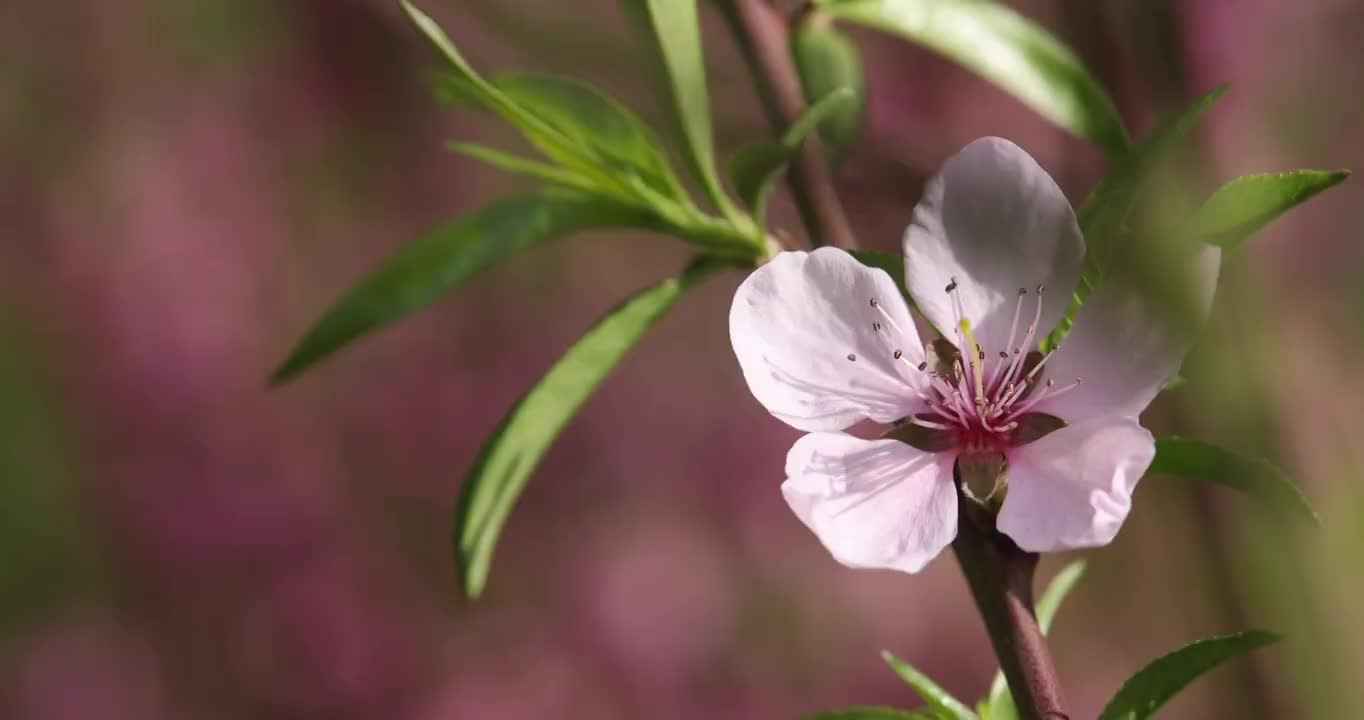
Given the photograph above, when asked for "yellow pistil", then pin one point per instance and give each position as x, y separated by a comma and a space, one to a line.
976, 369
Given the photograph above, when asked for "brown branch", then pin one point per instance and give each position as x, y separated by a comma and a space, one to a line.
1001, 578
762, 34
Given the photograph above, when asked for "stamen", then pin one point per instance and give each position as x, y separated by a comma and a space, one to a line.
1020, 356
1046, 394
1013, 332
929, 424
1042, 362
951, 397
1015, 390
977, 357
961, 378
938, 407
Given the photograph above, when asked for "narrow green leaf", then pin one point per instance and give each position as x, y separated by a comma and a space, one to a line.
1000, 703
1147, 691
619, 141
1103, 215
467, 83
672, 33
869, 713
445, 257
937, 698
1005, 48
1241, 207
829, 60
892, 263
1056, 592
755, 168
523, 166
475, 86
1198, 460
510, 455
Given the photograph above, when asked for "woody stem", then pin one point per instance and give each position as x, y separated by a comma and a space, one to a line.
1001, 577
762, 33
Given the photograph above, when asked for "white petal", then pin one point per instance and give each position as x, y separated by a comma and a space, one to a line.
1073, 488
1125, 347
996, 221
873, 503
816, 335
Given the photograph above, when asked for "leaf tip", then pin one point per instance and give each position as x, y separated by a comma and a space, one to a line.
285, 371
473, 573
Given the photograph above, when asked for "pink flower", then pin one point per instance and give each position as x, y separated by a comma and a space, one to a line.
991, 259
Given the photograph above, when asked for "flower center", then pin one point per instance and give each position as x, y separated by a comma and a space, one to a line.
982, 400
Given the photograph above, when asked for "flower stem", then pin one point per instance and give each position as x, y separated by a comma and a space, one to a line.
1001, 578
762, 34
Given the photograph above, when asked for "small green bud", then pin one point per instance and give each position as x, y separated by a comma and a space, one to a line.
828, 60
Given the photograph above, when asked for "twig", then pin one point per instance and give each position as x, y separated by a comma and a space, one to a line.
762, 34
1001, 577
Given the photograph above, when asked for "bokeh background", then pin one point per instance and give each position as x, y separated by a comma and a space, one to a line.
186, 184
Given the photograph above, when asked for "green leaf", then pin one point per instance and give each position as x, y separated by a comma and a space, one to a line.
574, 153
616, 138
1056, 592
892, 263
507, 162
475, 86
755, 168
511, 454
937, 698
1000, 703
672, 32
1103, 215
1198, 460
1144, 693
869, 713
829, 60
1005, 48
444, 258
1241, 207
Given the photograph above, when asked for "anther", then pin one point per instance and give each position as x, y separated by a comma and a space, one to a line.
1022, 291
922, 366
873, 302
852, 357
898, 354
1003, 355
1041, 288
876, 327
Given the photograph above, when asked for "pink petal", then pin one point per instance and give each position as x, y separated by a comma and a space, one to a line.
1125, 347
997, 222
873, 503
816, 335
1073, 488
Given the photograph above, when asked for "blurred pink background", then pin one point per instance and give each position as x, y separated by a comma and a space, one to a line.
186, 184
